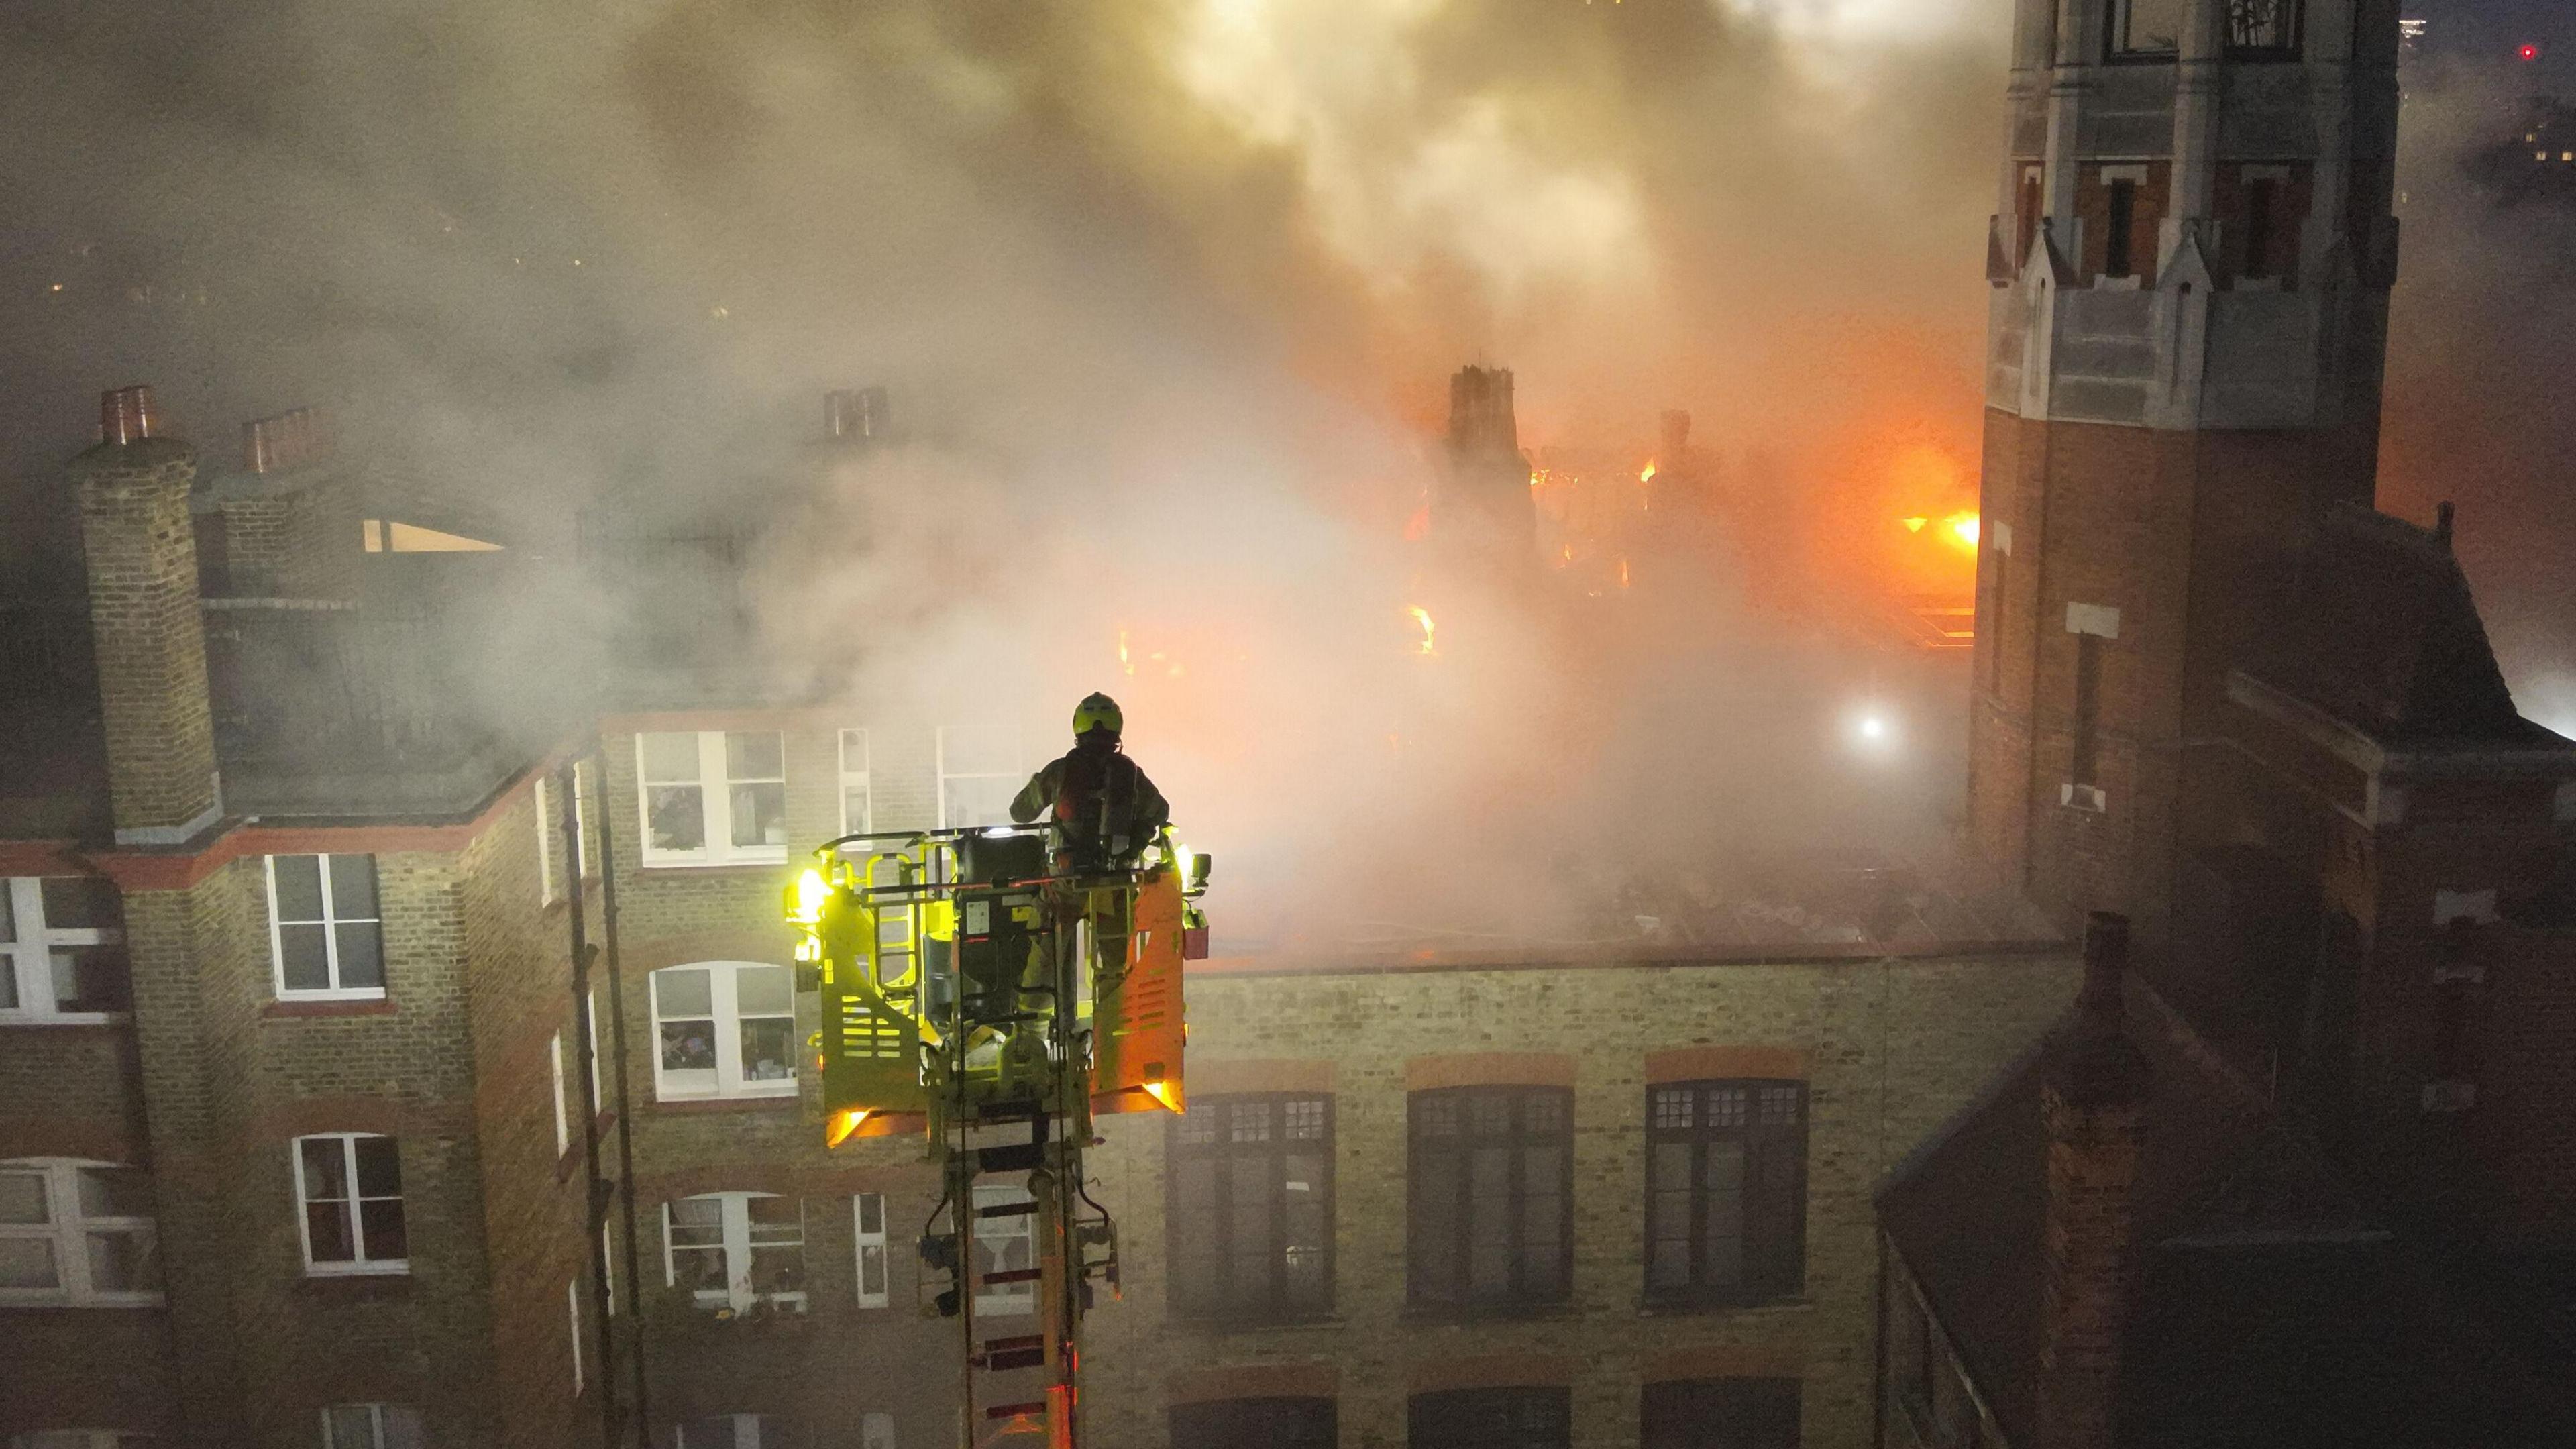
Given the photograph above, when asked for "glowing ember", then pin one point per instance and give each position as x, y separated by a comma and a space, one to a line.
1647, 476
1422, 617
1623, 573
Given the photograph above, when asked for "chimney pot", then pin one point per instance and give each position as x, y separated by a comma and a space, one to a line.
126, 415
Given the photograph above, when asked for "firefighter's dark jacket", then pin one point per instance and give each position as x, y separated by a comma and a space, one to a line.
1099, 796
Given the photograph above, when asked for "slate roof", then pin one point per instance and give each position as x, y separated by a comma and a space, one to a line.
2273, 1307
2383, 634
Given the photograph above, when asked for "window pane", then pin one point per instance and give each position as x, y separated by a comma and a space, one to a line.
299, 887
764, 991
1723, 1245
1542, 1220
8, 913
362, 963
698, 1269
22, 1198
678, 817
854, 808
760, 814
379, 1167
776, 1270
685, 992
327, 1223
124, 1263
8, 978
688, 1046
1489, 1214
766, 1056
73, 903
1435, 1225
754, 755
872, 1270
1249, 1193
326, 1174
401, 1427
2262, 24
353, 887
871, 1212
115, 1192
306, 962
382, 1222
91, 978
776, 1219
2148, 27
670, 759
28, 1263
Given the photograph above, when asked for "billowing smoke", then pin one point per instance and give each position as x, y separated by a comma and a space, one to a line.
1167, 294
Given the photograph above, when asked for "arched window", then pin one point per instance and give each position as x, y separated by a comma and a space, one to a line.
736, 1250
724, 1029
77, 1233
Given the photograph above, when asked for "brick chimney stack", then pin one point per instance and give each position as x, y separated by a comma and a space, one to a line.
149, 639
285, 525
2093, 1104
1480, 414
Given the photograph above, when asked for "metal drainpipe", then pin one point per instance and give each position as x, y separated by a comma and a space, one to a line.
625, 1103
567, 783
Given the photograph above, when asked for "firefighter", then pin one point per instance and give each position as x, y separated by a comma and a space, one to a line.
1105, 812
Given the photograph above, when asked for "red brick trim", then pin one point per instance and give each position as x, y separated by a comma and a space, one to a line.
380, 1006
1254, 1381
1493, 1371
42, 857
1729, 1361
1271, 1074
93, 1139
1489, 1069
1704, 1063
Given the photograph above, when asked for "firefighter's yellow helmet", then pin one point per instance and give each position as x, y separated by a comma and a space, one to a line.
1097, 712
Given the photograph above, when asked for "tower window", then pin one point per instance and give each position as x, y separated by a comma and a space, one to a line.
2026, 216
2146, 29
2120, 261
2262, 193
2263, 27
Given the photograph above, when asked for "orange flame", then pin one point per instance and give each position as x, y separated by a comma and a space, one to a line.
1915, 524
844, 1123
1422, 617
1962, 527
1648, 476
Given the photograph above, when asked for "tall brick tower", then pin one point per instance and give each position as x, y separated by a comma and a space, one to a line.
145, 628
2190, 266
1483, 508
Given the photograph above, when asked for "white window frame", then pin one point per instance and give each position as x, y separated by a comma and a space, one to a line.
572, 1303
68, 1231
1014, 776
563, 1114
715, 804
735, 1225
724, 997
856, 776
581, 820
871, 1248
590, 1025
27, 958
550, 882
376, 1417
331, 924
1005, 1299
361, 1265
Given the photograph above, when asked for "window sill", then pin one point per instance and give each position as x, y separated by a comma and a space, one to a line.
86, 1020
666, 868
352, 1006
370, 1284
152, 1304
783, 1101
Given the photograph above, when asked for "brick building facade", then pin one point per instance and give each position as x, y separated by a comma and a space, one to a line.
294, 1152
